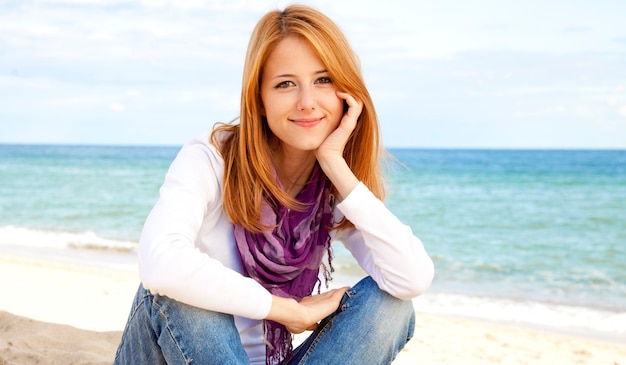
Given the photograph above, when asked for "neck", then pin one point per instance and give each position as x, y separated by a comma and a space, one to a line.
293, 169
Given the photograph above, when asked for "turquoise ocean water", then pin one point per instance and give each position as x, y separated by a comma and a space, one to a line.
530, 236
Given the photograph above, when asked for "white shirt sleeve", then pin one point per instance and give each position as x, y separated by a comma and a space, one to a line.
172, 263
383, 246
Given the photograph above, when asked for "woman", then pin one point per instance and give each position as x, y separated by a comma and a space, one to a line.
231, 252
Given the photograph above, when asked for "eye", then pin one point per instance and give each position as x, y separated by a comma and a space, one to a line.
324, 80
284, 85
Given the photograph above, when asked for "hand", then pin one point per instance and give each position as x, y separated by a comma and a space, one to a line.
334, 144
306, 314
330, 153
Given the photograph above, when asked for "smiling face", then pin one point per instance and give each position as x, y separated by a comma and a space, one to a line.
299, 98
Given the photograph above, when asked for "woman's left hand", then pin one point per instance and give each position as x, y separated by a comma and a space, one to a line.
330, 153
334, 144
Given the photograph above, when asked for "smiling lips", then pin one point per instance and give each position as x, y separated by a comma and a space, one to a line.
306, 122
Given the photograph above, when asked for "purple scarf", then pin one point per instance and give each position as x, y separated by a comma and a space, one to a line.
286, 259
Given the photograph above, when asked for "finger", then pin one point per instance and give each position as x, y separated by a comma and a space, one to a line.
336, 291
354, 106
337, 294
312, 327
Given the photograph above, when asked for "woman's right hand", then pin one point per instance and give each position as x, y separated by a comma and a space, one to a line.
306, 314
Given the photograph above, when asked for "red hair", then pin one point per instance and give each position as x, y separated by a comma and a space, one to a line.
245, 146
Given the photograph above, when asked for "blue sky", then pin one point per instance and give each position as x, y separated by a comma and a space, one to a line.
493, 74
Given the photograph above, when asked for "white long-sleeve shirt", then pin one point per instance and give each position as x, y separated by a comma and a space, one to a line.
187, 248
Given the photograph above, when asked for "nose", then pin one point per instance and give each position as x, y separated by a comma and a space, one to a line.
306, 99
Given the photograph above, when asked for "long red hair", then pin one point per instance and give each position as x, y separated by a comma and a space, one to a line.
245, 147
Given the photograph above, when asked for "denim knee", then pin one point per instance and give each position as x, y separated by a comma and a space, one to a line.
139, 343
369, 327
162, 330
382, 310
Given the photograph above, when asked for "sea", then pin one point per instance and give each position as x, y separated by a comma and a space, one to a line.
528, 237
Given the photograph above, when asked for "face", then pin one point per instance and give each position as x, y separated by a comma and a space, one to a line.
299, 98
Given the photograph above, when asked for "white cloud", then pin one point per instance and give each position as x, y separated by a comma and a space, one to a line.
155, 3
84, 2
117, 107
594, 112
133, 93
444, 61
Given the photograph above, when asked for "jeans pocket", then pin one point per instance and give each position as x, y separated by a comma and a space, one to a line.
345, 300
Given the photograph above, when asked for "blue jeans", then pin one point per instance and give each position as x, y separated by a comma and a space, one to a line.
369, 327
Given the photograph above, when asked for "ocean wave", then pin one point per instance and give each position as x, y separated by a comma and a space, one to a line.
26, 237
563, 318
568, 318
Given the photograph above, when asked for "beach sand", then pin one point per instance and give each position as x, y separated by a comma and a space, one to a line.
64, 312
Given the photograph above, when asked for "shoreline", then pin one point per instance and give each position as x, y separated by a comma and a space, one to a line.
589, 319
115, 262
66, 309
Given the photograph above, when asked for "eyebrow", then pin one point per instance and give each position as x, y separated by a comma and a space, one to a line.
292, 75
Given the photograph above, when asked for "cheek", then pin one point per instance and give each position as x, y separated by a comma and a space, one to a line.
268, 108
274, 117
271, 123
337, 111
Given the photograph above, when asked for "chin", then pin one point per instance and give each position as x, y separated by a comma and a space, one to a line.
304, 145
309, 147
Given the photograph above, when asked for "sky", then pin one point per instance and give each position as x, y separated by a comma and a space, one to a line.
443, 74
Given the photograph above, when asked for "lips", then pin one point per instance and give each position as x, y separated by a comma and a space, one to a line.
307, 122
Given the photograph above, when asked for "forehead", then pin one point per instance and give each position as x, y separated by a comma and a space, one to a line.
292, 53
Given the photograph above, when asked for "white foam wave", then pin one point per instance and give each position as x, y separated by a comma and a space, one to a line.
25, 237
571, 319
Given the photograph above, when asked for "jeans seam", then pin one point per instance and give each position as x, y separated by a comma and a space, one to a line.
312, 346
342, 308
170, 332
131, 316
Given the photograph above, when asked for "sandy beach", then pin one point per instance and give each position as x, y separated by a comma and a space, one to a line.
65, 312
